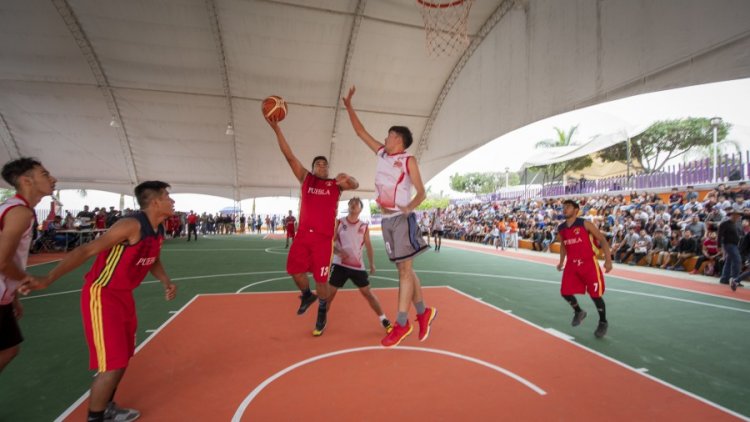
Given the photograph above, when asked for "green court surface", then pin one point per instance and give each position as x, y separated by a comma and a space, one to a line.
694, 341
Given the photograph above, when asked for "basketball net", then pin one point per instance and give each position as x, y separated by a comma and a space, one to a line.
445, 25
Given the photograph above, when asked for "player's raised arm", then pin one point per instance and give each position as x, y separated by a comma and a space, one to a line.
297, 168
602, 242
359, 128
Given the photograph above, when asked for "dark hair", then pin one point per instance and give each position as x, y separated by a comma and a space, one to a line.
12, 170
405, 134
319, 157
572, 203
361, 205
146, 191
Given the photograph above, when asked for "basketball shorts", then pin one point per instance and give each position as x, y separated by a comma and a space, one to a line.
311, 253
340, 273
402, 237
582, 276
290, 233
109, 323
10, 332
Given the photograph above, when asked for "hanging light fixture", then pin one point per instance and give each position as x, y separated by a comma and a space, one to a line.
230, 129
114, 123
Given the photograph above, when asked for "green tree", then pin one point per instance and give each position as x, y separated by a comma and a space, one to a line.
485, 182
556, 171
6, 193
665, 140
432, 203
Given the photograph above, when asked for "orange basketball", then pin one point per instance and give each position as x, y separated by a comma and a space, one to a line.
274, 108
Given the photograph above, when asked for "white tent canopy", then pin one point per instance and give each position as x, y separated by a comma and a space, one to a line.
547, 156
172, 74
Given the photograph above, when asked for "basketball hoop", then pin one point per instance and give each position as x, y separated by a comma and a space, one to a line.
445, 25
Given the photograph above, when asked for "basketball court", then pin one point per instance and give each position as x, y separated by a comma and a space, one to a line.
231, 347
224, 358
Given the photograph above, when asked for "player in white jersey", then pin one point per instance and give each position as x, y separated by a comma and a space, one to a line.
32, 183
396, 174
351, 235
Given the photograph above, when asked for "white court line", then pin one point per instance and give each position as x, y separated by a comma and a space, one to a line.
624, 365
272, 251
81, 399
198, 277
682, 289
536, 280
559, 334
246, 402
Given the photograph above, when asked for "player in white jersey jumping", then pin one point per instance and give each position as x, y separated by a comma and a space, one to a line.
32, 183
395, 175
351, 235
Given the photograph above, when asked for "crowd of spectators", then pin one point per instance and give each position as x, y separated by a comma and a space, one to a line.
642, 228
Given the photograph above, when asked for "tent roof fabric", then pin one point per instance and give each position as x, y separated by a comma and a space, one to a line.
172, 74
597, 143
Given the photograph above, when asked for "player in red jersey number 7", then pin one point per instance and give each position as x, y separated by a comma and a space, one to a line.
582, 273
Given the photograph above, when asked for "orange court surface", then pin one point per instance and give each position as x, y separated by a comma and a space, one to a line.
223, 357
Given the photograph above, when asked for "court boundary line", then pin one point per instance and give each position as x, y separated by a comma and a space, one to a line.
85, 395
542, 262
242, 408
538, 280
608, 358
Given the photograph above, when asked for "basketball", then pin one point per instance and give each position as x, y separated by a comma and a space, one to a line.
274, 108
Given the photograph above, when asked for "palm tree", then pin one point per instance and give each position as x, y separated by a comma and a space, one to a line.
555, 171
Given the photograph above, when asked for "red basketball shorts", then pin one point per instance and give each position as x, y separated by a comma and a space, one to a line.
290, 232
109, 323
582, 276
310, 253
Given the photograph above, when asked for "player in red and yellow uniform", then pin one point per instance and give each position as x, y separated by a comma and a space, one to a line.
126, 253
312, 249
290, 222
582, 273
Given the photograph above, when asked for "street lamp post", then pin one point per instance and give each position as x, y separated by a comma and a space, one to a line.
506, 177
715, 122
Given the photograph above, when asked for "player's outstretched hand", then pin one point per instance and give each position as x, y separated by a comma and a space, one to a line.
170, 291
33, 283
607, 266
348, 98
560, 266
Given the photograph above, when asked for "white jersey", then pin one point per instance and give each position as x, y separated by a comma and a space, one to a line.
392, 180
7, 286
437, 222
350, 238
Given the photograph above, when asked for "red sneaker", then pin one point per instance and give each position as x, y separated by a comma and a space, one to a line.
398, 333
425, 320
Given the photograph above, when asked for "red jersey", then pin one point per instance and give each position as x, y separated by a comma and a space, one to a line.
579, 244
101, 221
192, 218
290, 220
318, 205
123, 267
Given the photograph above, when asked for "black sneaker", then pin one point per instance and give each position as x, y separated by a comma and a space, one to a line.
733, 284
305, 303
118, 414
601, 329
387, 325
320, 324
578, 317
